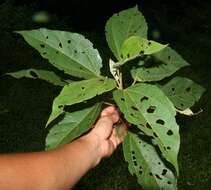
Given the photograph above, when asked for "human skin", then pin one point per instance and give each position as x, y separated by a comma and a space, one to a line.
61, 168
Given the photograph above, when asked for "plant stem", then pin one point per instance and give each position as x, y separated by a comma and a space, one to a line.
134, 82
120, 80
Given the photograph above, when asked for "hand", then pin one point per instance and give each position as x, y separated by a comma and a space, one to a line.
104, 135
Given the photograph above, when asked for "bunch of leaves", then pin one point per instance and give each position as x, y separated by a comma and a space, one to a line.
152, 144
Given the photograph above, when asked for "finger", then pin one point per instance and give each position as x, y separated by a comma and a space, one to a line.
108, 111
107, 149
103, 127
114, 138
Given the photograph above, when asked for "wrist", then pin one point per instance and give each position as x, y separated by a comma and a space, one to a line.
92, 141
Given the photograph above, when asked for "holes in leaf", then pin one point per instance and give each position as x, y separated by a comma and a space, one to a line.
133, 152
46, 37
168, 148
135, 163
170, 132
68, 41
173, 89
149, 43
148, 126
33, 74
182, 104
155, 135
141, 52
160, 121
122, 99
80, 68
134, 108
150, 173
188, 89
57, 52
121, 56
140, 172
158, 177
82, 87
60, 44
169, 57
164, 172
132, 114
42, 45
44, 53
169, 182
144, 98
75, 51
134, 158
151, 109
159, 163
60, 106
128, 55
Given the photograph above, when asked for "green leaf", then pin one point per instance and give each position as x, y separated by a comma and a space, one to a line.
148, 107
146, 164
135, 46
79, 91
183, 92
48, 76
72, 126
121, 26
167, 61
67, 51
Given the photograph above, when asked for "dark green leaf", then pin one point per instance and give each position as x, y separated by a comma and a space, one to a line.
168, 61
183, 92
146, 164
148, 107
121, 26
67, 51
77, 92
72, 126
49, 76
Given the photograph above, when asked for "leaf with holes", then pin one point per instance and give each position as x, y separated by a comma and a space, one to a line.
166, 62
79, 91
136, 46
48, 76
121, 26
67, 51
148, 107
145, 162
72, 126
183, 92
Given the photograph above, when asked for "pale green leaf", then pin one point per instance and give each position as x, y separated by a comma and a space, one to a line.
167, 62
79, 91
72, 126
183, 92
148, 107
135, 46
146, 164
67, 51
48, 76
121, 26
